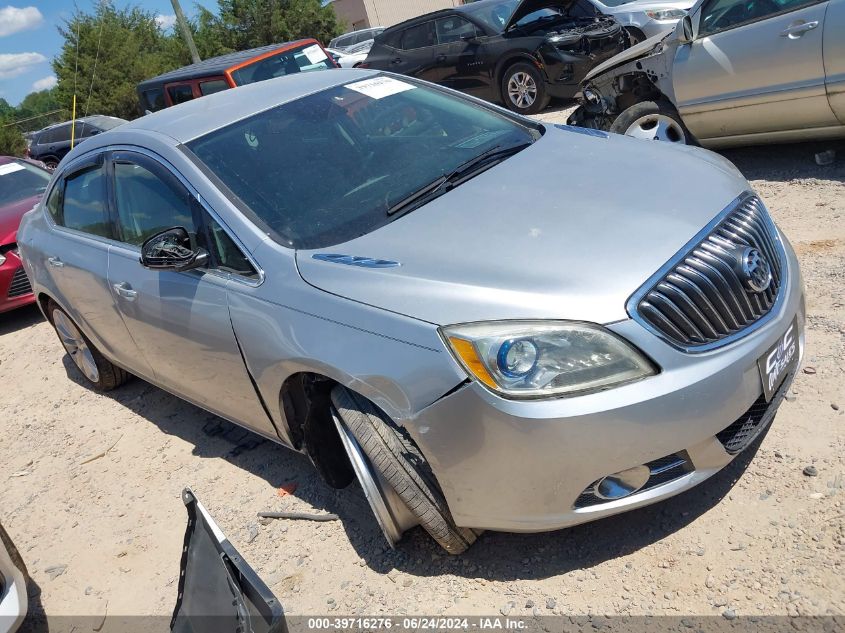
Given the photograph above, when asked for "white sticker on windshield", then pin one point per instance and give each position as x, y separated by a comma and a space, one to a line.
314, 53
10, 168
380, 87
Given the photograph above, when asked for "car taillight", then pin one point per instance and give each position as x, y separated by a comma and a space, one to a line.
362, 65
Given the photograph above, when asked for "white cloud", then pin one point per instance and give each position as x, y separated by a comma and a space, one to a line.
14, 20
45, 84
14, 64
165, 21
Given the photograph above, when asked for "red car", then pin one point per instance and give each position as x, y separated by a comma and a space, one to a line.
22, 183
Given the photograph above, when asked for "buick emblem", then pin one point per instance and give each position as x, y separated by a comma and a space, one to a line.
755, 269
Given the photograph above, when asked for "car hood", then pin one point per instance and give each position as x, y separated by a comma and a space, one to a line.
10, 217
568, 228
638, 50
530, 6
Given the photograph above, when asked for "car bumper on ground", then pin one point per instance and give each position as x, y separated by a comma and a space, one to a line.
526, 466
15, 290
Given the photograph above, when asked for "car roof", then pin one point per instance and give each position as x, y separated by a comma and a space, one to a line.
189, 120
214, 66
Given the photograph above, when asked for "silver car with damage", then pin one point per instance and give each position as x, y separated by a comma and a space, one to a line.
430, 293
645, 18
733, 72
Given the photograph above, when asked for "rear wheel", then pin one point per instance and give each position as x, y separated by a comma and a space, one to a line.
653, 121
99, 372
523, 89
51, 163
393, 454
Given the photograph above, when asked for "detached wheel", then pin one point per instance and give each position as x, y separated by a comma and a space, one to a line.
653, 121
99, 372
523, 89
399, 465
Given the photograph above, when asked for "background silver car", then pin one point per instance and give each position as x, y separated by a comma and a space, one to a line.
734, 72
645, 18
390, 277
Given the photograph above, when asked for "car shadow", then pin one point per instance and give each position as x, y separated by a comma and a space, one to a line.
495, 556
20, 319
783, 163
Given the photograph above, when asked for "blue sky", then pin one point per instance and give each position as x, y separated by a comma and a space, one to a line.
29, 39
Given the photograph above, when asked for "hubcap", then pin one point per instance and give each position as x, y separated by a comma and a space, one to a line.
657, 127
522, 90
76, 346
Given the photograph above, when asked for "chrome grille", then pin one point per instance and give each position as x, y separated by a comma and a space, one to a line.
702, 301
20, 284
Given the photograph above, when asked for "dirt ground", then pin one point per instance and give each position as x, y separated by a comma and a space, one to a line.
759, 538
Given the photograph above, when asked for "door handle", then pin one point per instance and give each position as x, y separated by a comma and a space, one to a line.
397, 60
794, 31
440, 59
55, 262
125, 291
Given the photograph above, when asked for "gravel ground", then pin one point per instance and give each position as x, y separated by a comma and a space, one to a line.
761, 537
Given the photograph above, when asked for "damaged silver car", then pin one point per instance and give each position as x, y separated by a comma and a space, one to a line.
733, 72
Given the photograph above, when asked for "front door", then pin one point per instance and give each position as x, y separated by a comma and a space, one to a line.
179, 320
755, 66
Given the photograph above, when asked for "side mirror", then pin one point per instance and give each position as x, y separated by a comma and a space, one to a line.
172, 250
686, 35
469, 38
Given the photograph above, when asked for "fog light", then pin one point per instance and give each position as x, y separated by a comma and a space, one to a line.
623, 483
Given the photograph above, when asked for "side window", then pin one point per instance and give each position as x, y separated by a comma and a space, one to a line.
720, 15
212, 86
147, 205
154, 99
453, 28
62, 134
84, 203
180, 93
53, 204
418, 36
229, 257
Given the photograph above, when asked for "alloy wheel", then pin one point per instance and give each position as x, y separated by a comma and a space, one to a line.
522, 90
657, 127
76, 345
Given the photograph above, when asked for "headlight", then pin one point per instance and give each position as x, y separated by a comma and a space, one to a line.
666, 14
535, 359
2, 259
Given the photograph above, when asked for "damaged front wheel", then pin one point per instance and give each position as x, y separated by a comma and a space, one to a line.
653, 121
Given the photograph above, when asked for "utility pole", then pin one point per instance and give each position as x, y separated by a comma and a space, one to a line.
186, 32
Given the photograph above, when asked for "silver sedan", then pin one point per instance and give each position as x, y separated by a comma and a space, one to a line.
487, 321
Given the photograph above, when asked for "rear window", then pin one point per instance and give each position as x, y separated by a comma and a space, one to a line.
212, 86
154, 100
303, 59
180, 94
327, 167
20, 180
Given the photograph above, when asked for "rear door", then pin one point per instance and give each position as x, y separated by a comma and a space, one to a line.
76, 254
415, 56
756, 66
180, 320
834, 57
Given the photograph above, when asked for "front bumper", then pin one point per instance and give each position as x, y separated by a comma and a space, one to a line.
15, 290
521, 466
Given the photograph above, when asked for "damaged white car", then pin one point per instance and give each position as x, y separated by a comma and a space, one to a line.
733, 72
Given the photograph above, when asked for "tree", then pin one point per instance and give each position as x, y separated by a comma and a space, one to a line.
40, 109
117, 49
243, 24
12, 142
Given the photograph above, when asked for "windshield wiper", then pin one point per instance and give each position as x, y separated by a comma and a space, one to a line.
457, 176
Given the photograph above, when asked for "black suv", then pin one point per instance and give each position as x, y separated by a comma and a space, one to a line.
520, 53
52, 143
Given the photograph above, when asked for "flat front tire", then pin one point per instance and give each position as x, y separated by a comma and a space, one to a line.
653, 121
100, 373
391, 451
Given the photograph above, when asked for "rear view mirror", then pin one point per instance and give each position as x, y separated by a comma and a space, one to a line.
172, 250
686, 35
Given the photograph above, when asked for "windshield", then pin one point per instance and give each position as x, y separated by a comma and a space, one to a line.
297, 60
494, 15
20, 180
326, 168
